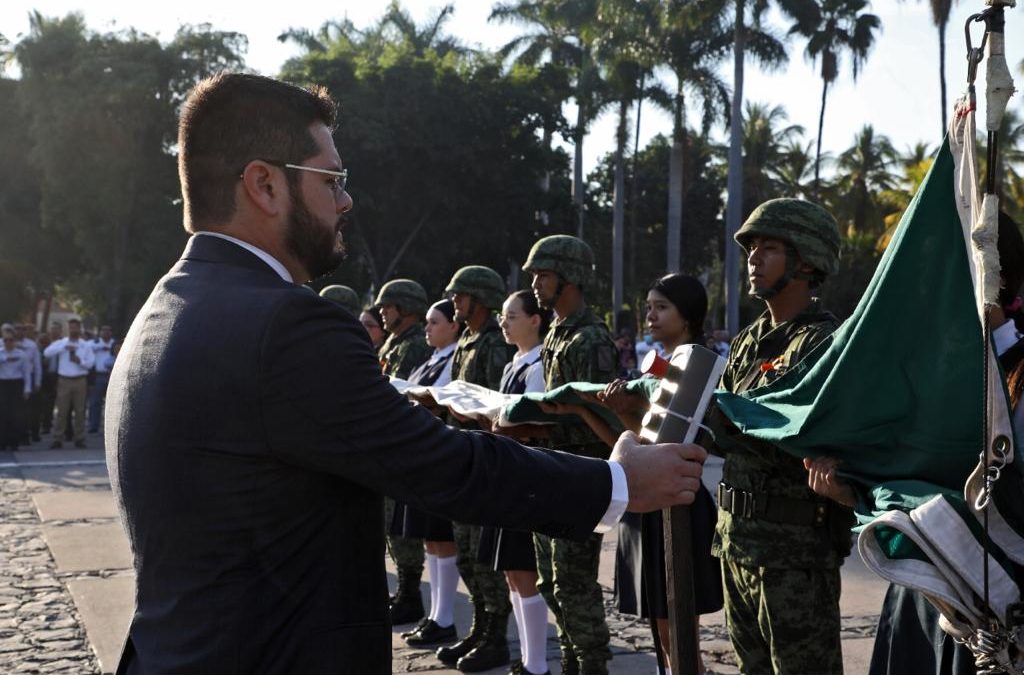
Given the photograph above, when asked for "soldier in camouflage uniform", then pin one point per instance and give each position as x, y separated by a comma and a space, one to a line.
402, 303
781, 546
480, 357
577, 348
343, 296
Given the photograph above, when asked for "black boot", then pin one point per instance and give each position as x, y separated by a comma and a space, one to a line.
407, 606
431, 634
451, 655
570, 666
492, 649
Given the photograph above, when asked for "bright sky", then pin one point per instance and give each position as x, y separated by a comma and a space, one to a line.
897, 92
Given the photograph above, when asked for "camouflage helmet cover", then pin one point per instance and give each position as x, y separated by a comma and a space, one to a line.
343, 295
405, 294
481, 282
569, 257
807, 227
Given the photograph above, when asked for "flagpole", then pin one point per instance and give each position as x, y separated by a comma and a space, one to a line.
989, 644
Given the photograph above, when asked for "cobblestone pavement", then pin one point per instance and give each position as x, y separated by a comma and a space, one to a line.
40, 628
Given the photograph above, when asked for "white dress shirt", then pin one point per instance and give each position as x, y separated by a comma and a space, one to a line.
62, 350
535, 373
101, 350
14, 365
446, 375
620, 489
35, 361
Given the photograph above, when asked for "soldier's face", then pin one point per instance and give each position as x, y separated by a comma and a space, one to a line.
766, 263
463, 302
545, 288
391, 317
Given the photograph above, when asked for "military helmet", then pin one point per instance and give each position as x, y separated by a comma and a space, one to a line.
805, 226
569, 257
481, 282
405, 294
342, 295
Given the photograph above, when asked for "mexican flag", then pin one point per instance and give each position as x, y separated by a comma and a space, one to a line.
897, 395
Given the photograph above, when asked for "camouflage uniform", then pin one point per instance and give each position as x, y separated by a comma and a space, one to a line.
781, 545
343, 296
578, 348
480, 357
399, 355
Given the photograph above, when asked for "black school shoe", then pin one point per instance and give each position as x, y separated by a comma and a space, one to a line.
431, 634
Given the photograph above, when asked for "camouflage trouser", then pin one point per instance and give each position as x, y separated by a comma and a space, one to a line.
483, 582
783, 621
568, 581
406, 553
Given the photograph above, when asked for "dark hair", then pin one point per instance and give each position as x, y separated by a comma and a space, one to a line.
529, 302
446, 307
689, 298
230, 119
1011, 259
375, 313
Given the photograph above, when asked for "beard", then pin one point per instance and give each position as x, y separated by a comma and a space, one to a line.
313, 242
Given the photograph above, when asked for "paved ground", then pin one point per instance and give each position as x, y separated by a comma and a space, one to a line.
66, 583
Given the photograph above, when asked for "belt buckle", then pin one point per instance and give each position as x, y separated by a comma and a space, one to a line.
726, 497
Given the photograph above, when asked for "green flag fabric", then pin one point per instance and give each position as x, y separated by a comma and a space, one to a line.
526, 411
896, 393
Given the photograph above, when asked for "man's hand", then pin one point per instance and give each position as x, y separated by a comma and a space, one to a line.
659, 475
620, 401
823, 480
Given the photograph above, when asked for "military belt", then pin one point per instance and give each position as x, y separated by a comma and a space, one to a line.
772, 508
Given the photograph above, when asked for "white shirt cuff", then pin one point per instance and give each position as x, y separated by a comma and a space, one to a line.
1005, 337
620, 499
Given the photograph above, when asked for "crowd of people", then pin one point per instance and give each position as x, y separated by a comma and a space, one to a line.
52, 384
539, 339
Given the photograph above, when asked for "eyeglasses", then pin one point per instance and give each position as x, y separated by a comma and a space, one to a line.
339, 178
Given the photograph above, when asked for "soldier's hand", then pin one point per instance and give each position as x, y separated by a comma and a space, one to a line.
620, 401
659, 475
823, 480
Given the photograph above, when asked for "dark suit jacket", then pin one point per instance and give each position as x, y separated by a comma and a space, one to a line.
250, 436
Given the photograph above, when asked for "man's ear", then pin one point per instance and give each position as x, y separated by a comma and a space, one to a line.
264, 187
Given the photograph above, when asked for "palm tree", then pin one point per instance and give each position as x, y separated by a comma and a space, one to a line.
429, 36
765, 139
563, 34
941, 9
795, 168
840, 25
865, 171
801, 12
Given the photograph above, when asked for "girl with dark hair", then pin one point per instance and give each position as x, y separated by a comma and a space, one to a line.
442, 332
676, 308
374, 325
524, 324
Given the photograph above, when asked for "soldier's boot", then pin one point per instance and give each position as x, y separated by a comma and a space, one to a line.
594, 668
569, 664
450, 655
492, 649
407, 606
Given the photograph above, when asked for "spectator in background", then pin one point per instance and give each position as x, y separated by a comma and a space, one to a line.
74, 359
373, 322
25, 334
101, 348
15, 388
48, 393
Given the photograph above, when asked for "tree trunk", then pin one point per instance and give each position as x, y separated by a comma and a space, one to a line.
578, 189
405, 244
618, 207
734, 185
817, 153
634, 191
942, 74
545, 180
674, 226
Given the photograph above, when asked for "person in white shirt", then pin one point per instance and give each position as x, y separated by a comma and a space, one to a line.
15, 388
524, 323
101, 348
74, 359
442, 332
26, 340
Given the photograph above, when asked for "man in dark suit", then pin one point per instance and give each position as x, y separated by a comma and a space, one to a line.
249, 481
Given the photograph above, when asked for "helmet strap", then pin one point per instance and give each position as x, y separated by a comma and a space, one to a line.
792, 260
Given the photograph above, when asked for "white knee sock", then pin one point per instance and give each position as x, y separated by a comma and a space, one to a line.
448, 583
517, 611
432, 575
535, 629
